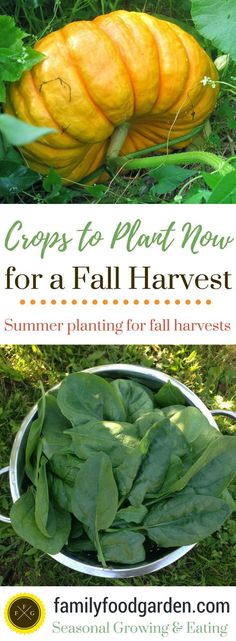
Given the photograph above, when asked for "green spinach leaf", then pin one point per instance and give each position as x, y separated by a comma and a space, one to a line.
123, 547
197, 430
214, 477
169, 394
127, 471
155, 465
23, 521
65, 467
95, 497
134, 396
98, 436
80, 544
130, 514
76, 529
42, 501
60, 492
212, 470
185, 519
143, 423
55, 441
97, 445
82, 397
33, 438
171, 410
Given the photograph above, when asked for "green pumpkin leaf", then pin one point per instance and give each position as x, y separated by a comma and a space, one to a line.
15, 57
167, 179
225, 190
15, 178
17, 132
216, 21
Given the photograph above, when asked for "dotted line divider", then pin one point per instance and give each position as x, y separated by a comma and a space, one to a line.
115, 301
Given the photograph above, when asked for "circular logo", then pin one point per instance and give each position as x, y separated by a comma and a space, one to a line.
24, 613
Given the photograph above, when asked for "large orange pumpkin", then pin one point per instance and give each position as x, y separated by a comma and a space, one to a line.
121, 68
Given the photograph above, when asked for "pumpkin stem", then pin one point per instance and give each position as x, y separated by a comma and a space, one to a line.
117, 140
186, 158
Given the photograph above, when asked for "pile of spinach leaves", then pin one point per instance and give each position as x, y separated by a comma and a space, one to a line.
111, 466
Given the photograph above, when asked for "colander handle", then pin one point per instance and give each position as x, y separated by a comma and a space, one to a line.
228, 413
4, 519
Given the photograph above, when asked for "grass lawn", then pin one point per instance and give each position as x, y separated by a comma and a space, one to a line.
208, 370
